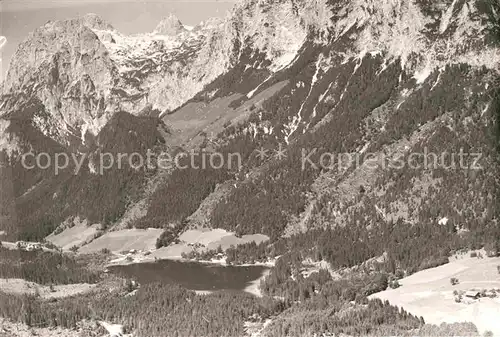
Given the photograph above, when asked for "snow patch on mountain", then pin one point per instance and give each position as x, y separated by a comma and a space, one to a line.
114, 330
321, 66
130, 52
274, 28
322, 98
446, 18
251, 93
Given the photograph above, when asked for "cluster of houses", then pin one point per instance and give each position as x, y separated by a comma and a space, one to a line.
129, 255
29, 246
471, 296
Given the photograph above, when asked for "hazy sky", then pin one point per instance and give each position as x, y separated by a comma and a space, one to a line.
20, 17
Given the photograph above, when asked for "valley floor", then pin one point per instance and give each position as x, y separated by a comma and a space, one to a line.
429, 293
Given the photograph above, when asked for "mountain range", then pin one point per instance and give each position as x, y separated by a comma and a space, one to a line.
367, 139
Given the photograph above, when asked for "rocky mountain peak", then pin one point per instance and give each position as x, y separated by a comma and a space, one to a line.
65, 66
94, 21
170, 25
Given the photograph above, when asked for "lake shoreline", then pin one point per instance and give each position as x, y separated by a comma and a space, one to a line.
203, 277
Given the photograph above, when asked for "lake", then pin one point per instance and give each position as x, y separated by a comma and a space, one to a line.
191, 275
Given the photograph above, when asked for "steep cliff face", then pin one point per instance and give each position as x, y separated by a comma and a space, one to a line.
65, 65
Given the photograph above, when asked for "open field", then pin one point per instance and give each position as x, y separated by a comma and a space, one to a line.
21, 287
74, 236
197, 118
200, 239
213, 238
124, 240
9, 245
429, 293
